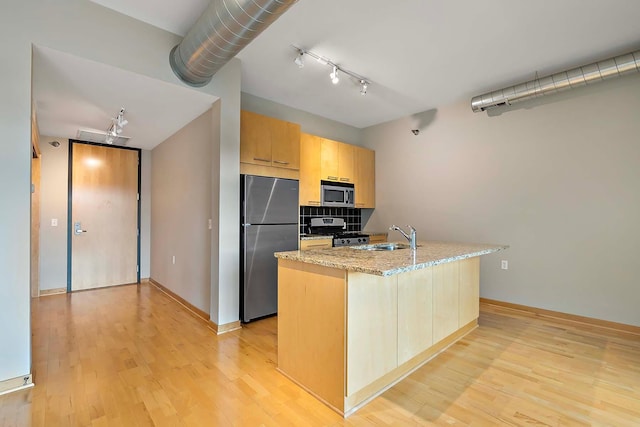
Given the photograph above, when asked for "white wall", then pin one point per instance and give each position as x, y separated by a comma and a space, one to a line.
145, 214
181, 206
309, 123
54, 190
225, 240
90, 31
558, 179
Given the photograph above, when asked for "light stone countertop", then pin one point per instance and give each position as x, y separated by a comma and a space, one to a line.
388, 263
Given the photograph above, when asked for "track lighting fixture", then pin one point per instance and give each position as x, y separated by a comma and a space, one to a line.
334, 76
363, 87
335, 68
299, 59
115, 129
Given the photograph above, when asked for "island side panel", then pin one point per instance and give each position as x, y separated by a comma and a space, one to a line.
372, 328
415, 311
445, 300
469, 290
311, 326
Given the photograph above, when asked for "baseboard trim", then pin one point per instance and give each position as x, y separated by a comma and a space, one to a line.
541, 312
226, 327
16, 384
200, 314
56, 291
195, 311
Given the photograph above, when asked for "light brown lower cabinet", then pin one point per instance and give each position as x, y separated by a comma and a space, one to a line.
377, 238
315, 244
346, 336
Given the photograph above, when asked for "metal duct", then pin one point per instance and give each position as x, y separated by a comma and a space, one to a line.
222, 31
580, 76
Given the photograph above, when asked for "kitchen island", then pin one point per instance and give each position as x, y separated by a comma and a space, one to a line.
353, 322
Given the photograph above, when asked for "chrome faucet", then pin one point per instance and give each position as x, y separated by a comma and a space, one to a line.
411, 237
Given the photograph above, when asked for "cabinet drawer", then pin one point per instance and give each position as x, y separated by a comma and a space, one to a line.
315, 244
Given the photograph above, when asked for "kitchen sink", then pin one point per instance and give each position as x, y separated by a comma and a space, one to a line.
382, 247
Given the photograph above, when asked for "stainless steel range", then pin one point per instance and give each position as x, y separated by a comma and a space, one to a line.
336, 228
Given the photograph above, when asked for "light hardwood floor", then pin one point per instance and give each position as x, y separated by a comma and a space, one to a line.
129, 356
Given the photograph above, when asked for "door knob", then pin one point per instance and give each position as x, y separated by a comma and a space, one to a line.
77, 229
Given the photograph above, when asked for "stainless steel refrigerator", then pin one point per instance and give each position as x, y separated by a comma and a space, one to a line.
269, 223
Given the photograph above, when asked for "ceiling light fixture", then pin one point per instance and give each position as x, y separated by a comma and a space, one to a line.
115, 129
299, 59
334, 76
363, 87
335, 68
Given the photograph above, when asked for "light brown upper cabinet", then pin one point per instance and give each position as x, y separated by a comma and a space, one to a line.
336, 161
265, 141
310, 176
365, 177
325, 159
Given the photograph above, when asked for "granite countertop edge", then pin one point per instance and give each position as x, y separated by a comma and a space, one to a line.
322, 257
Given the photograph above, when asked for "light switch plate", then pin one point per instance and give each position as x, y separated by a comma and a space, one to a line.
54, 222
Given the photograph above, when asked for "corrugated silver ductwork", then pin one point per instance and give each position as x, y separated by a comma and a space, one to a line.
222, 31
580, 76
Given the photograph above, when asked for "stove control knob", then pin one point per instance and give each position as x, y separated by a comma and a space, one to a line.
343, 241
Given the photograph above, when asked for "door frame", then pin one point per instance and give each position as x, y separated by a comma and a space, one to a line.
70, 203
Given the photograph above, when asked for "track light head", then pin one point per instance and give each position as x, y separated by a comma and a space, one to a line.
363, 87
334, 76
299, 61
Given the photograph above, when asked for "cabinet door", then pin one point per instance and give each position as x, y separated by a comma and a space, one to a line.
346, 159
469, 290
415, 313
329, 157
445, 300
285, 144
255, 139
365, 179
310, 175
372, 328
378, 238
315, 244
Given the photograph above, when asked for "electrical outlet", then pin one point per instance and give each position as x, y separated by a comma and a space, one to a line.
210, 224
54, 222
504, 264
173, 259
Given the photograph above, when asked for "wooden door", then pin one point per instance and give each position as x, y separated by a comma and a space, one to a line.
104, 216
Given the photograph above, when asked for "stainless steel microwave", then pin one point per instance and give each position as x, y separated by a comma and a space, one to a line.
337, 194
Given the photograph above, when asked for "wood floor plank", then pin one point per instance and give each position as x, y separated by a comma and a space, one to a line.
132, 356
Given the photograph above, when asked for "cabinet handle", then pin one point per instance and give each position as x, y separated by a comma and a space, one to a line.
332, 178
359, 204
313, 202
345, 179
280, 162
261, 160
319, 245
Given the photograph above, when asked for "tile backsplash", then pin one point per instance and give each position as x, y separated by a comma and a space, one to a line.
351, 216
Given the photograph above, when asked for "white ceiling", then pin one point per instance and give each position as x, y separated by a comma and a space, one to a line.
418, 54
74, 94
